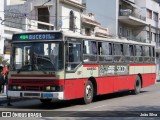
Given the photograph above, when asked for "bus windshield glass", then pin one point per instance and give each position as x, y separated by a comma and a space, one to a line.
42, 56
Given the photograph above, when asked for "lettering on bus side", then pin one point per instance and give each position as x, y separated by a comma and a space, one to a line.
113, 70
91, 69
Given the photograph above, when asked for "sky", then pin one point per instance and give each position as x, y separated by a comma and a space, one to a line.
97, 7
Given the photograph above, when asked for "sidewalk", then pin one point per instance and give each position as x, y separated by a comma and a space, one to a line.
3, 97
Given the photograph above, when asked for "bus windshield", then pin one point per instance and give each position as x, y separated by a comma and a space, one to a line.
40, 56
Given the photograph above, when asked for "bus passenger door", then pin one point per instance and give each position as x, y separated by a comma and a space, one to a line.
73, 68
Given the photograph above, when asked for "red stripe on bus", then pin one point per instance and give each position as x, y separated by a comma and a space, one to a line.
90, 65
142, 65
26, 75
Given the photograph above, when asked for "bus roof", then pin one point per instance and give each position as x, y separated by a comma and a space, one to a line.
78, 35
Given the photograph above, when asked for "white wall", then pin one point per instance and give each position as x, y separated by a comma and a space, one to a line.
1, 27
65, 17
14, 2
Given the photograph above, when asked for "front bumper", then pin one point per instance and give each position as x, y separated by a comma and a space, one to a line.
38, 95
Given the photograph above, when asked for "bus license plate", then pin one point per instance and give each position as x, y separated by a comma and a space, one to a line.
47, 95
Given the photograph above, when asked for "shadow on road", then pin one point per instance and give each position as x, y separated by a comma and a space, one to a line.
70, 103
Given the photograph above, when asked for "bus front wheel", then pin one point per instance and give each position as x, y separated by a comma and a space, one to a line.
137, 86
88, 92
46, 101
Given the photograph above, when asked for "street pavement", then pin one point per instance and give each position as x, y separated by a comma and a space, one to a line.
3, 97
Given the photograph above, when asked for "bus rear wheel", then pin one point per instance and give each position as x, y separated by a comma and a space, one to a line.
88, 92
137, 86
45, 101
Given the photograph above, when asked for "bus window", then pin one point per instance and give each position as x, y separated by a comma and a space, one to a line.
126, 50
153, 52
128, 53
118, 53
89, 51
118, 49
139, 51
131, 50
147, 54
146, 51
73, 55
139, 54
105, 51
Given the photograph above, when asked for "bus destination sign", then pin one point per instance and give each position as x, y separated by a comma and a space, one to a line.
36, 36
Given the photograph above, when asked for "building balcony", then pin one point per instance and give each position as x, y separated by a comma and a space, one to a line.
134, 38
131, 18
38, 25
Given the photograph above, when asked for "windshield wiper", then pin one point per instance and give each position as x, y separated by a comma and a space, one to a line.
40, 68
25, 67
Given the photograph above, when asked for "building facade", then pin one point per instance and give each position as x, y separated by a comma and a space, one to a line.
1, 27
136, 20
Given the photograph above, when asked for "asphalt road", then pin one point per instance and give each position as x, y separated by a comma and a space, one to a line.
112, 106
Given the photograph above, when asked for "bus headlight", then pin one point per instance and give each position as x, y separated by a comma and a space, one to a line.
48, 88
53, 88
19, 87
14, 87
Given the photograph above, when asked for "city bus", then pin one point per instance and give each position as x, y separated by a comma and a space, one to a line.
59, 65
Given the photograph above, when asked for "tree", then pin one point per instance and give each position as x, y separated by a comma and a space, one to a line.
3, 61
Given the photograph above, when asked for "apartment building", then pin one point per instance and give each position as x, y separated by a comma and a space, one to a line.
37, 15
136, 20
1, 27
47, 14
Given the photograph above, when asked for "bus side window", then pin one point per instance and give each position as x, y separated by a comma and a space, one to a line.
153, 51
142, 50
150, 52
121, 49
131, 50
90, 51
118, 49
110, 49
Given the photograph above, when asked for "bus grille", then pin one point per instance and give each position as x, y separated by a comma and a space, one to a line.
32, 94
23, 81
34, 88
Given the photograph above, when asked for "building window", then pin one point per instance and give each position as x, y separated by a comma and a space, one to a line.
149, 14
128, 34
120, 31
88, 31
155, 16
7, 46
71, 21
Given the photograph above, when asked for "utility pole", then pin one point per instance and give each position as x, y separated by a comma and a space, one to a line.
57, 15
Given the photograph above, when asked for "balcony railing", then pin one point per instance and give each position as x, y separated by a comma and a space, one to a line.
38, 25
137, 39
128, 12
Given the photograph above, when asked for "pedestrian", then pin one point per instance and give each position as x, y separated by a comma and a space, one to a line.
5, 73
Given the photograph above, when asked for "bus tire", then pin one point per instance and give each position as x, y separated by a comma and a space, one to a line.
88, 92
137, 85
46, 101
